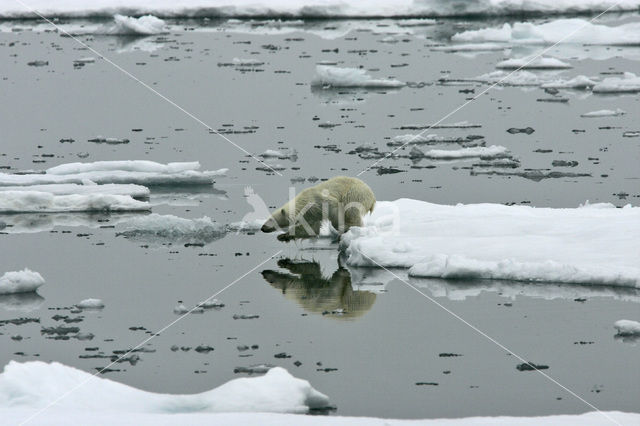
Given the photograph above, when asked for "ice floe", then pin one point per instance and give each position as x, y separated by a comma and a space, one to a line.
45, 202
604, 113
312, 8
492, 151
501, 242
34, 385
139, 172
90, 304
88, 187
573, 30
627, 327
144, 25
577, 82
330, 76
541, 63
171, 229
628, 83
24, 281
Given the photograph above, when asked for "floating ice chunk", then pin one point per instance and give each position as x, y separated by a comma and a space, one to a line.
471, 47
169, 228
101, 172
540, 63
272, 153
20, 282
135, 191
628, 83
558, 31
329, 76
627, 327
247, 225
247, 62
180, 309
44, 202
87, 60
480, 151
90, 304
34, 385
517, 78
604, 113
578, 82
144, 25
544, 244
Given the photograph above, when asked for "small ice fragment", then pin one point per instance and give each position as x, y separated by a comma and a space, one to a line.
90, 304
20, 282
627, 327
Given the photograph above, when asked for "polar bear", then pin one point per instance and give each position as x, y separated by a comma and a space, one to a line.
342, 200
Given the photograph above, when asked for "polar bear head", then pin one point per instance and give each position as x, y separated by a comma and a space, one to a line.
280, 219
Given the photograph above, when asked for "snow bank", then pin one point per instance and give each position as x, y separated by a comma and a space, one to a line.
135, 191
20, 282
604, 113
627, 327
311, 8
34, 385
541, 63
44, 202
169, 228
583, 245
349, 77
144, 25
558, 31
628, 83
122, 172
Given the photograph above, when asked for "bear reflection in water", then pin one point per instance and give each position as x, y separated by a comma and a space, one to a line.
332, 296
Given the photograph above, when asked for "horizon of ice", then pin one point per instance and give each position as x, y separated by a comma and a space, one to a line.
532, 63
45, 202
573, 30
604, 113
140, 172
87, 187
627, 327
33, 385
24, 281
501, 242
628, 83
311, 8
331, 76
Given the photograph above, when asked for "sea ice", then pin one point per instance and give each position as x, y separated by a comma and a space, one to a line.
144, 25
45, 202
488, 152
88, 187
627, 327
604, 113
628, 83
90, 304
174, 229
501, 242
540, 63
329, 76
20, 282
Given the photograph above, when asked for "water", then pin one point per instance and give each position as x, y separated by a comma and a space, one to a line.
391, 337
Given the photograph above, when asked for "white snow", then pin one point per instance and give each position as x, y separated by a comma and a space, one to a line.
33, 385
480, 151
20, 282
594, 244
627, 327
122, 172
247, 62
577, 82
90, 304
88, 187
540, 62
573, 30
144, 25
45, 202
272, 153
309, 8
517, 78
417, 138
628, 83
604, 113
349, 77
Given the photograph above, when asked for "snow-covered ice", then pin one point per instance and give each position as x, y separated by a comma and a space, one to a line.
541, 62
139, 172
489, 152
573, 30
592, 244
88, 187
45, 202
577, 82
604, 113
627, 327
90, 304
628, 83
24, 281
169, 228
144, 25
329, 76
34, 385
311, 8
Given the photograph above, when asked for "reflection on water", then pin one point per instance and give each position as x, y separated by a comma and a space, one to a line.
316, 293
24, 302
